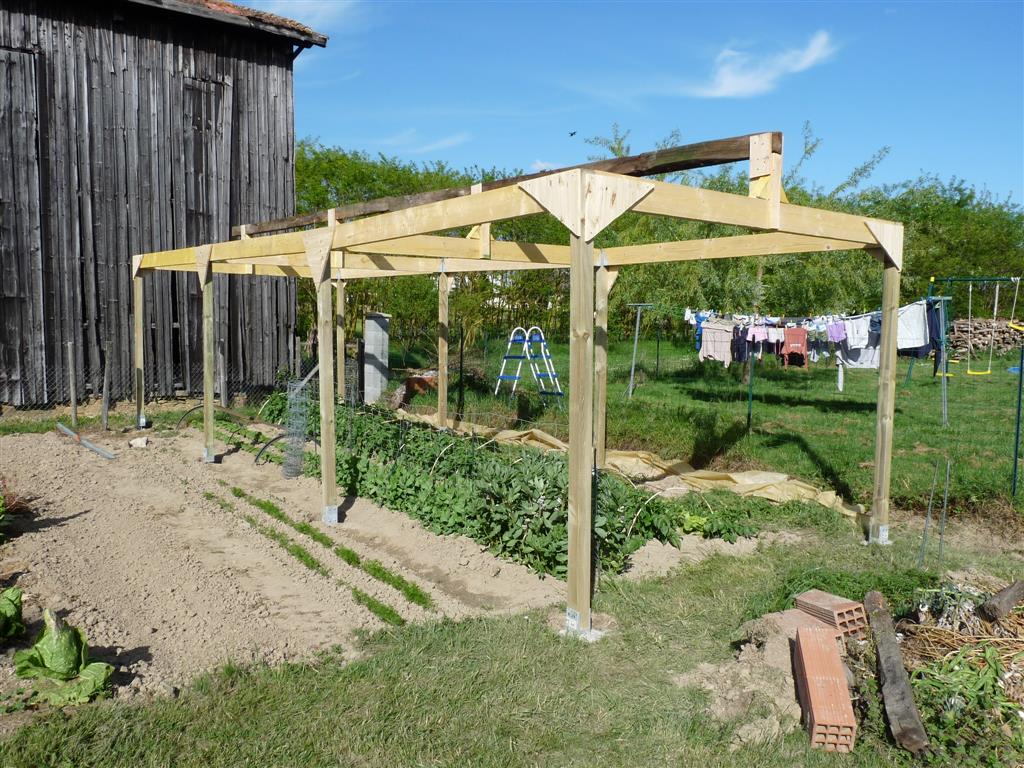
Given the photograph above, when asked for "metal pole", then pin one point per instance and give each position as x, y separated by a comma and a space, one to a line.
105, 411
945, 364
657, 353
73, 384
636, 339
1016, 432
750, 390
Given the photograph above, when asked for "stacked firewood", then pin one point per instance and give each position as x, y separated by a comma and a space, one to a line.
982, 332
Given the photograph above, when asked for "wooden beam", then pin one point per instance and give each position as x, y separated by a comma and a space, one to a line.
737, 246
662, 161
238, 16
879, 525
766, 174
443, 286
581, 430
139, 347
603, 282
318, 255
209, 347
339, 330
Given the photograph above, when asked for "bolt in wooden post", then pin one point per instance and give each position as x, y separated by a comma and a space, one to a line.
443, 283
581, 428
879, 526
138, 331
73, 384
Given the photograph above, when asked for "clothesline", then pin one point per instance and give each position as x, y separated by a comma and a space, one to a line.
854, 340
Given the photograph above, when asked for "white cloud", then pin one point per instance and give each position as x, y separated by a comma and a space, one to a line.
400, 139
446, 142
738, 74
321, 15
541, 165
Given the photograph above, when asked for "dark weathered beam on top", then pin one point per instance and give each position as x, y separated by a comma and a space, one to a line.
671, 160
253, 19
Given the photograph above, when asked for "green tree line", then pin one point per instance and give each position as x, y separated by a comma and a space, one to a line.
951, 228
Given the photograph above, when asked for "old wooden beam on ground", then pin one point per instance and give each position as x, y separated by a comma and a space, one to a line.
1002, 602
904, 719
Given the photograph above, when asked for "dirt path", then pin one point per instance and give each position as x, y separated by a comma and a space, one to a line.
168, 581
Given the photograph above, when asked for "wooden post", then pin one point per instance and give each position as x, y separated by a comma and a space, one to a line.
339, 330
209, 367
105, 403
317, 243
73, 384
138, 321
328, 470
603, 283
878, 532
581, 427
443, 283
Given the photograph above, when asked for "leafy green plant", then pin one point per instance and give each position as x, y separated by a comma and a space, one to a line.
383, 612
59, 662
11, 624
969, 719
297, 551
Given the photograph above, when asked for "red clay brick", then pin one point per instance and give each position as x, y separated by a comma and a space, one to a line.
821, 686
845, 615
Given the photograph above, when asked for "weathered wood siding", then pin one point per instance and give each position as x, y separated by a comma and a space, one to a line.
125, 130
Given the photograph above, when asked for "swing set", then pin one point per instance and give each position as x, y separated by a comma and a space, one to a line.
1013, 322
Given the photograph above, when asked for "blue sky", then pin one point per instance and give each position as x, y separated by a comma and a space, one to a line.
504, 83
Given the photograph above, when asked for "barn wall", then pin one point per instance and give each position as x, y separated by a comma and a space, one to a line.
125, 130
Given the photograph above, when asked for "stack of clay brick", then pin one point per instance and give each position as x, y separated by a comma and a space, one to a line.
824, 622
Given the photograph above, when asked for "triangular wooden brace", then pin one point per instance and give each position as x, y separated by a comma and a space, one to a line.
889, 235
318, 252
609, 196
559, 194
203, 262
136, 264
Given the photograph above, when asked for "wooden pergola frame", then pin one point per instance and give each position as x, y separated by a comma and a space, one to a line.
397, 236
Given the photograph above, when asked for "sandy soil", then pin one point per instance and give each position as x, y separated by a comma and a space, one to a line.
168, 584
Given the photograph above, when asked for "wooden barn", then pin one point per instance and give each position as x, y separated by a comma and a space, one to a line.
130, 126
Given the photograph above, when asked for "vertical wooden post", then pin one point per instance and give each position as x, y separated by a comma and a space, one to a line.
73, 383
581, 425
443, 283
604, 280
139, 342
339, 330
879, 525
209, 365
318, 243
328, 470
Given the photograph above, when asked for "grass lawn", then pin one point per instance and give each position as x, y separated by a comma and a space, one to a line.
801, 424
493, 692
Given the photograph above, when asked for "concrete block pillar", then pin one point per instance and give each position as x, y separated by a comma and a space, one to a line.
375, 359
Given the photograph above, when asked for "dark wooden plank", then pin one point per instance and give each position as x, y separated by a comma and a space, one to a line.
1002, 602
904, 719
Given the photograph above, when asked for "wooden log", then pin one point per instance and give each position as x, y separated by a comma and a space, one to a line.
1002, 602
904, 719
670, 160
443, 284
879, 523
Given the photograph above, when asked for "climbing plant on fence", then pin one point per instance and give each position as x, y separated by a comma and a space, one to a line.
511, 499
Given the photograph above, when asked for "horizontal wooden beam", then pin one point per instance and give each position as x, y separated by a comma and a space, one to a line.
661, 161
738, 246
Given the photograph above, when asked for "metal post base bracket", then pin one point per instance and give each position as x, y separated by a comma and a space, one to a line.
331, 516
142, 423
573, 629
879, 535
209, 457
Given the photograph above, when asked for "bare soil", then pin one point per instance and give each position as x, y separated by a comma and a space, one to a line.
168, 584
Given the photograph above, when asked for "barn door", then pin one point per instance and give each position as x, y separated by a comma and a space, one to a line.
207, 148
23, 369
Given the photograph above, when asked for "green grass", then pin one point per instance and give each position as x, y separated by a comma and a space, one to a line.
486, 692
801, 424
412, 592
382, 611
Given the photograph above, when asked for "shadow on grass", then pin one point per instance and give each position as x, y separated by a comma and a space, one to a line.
825, 468
790, 401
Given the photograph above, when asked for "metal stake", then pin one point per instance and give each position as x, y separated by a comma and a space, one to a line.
928, 517
636, 340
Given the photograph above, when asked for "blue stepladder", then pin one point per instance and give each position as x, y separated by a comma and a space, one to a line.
529, 344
